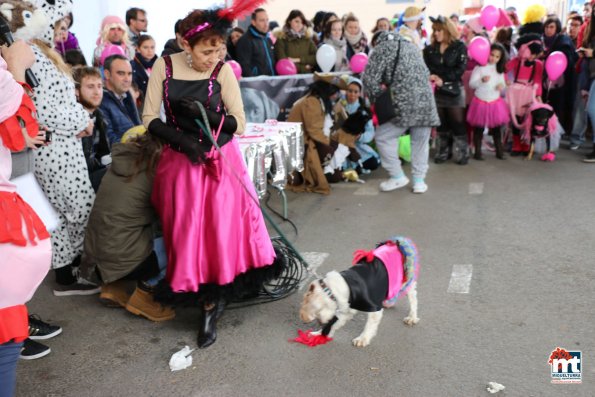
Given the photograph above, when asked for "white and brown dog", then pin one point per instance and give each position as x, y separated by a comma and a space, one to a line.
377, 279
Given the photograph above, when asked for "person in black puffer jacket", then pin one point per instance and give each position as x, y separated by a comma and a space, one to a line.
446, 58
254, 50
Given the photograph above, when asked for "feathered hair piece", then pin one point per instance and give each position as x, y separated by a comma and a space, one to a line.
240, 9
220, 19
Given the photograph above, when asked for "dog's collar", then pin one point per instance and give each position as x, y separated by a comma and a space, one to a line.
327, 290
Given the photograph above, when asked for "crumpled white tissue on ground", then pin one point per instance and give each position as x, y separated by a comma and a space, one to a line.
181, 359
494, 387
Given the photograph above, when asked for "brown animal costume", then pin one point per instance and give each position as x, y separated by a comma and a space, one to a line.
314, 112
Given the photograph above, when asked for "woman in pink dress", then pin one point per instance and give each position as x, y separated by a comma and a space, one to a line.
218, 245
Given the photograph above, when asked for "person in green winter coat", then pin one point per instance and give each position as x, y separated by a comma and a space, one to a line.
120, 235
295, 41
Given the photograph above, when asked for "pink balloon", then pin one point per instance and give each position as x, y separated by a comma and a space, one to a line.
285, 67
489, 17
237, 69
109, 50
555, 65
479, 50
358, 62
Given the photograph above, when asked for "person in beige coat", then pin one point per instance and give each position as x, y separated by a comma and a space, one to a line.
314, 111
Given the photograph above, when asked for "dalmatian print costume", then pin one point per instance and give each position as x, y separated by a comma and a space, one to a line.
54, 10
60, 167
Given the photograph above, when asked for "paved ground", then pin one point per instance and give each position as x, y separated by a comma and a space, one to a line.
525, 228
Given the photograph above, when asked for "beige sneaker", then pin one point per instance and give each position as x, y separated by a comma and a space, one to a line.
142, 303
114, 294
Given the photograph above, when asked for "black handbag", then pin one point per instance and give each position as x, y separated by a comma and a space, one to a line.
450, 88
384, 106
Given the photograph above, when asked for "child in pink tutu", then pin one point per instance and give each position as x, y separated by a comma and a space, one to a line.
487, 108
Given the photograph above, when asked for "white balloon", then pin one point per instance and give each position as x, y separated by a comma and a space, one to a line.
325, 57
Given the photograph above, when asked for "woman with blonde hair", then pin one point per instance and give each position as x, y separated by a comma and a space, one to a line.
115, 32
446, 57
356, 38
333, 36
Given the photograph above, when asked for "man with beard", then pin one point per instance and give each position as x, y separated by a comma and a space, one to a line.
89, 93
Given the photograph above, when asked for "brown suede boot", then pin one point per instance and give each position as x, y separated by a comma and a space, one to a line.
114, 294
141, 303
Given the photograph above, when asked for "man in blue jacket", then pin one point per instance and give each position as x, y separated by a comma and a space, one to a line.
118, 107
254, 50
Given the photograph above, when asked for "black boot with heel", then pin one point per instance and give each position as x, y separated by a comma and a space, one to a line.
207, 329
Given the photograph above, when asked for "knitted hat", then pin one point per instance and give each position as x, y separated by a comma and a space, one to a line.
412, 13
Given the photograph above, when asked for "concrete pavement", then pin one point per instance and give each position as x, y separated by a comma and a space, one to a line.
526, 228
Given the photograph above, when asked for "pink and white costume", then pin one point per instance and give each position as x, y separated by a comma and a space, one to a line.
487, 108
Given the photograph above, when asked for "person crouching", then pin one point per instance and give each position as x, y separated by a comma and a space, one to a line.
119, 243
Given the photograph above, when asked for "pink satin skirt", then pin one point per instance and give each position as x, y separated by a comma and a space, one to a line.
213, 229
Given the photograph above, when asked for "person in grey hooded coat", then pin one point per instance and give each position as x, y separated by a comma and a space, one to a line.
414, 104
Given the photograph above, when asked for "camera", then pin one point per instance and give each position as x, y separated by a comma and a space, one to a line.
48, 138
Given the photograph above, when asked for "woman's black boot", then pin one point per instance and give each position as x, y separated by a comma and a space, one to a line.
497, 134
477, 141
207, 329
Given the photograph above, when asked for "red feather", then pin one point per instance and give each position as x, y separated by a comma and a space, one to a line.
240, 8
361, 254
308, 339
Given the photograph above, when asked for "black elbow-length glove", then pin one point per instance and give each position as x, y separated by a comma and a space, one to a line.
179, 141
189, 108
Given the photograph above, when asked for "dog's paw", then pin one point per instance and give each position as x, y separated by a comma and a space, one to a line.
315, 333
361, 341
410, 320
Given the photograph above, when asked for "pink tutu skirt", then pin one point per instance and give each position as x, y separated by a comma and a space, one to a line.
488, 114
213, 230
